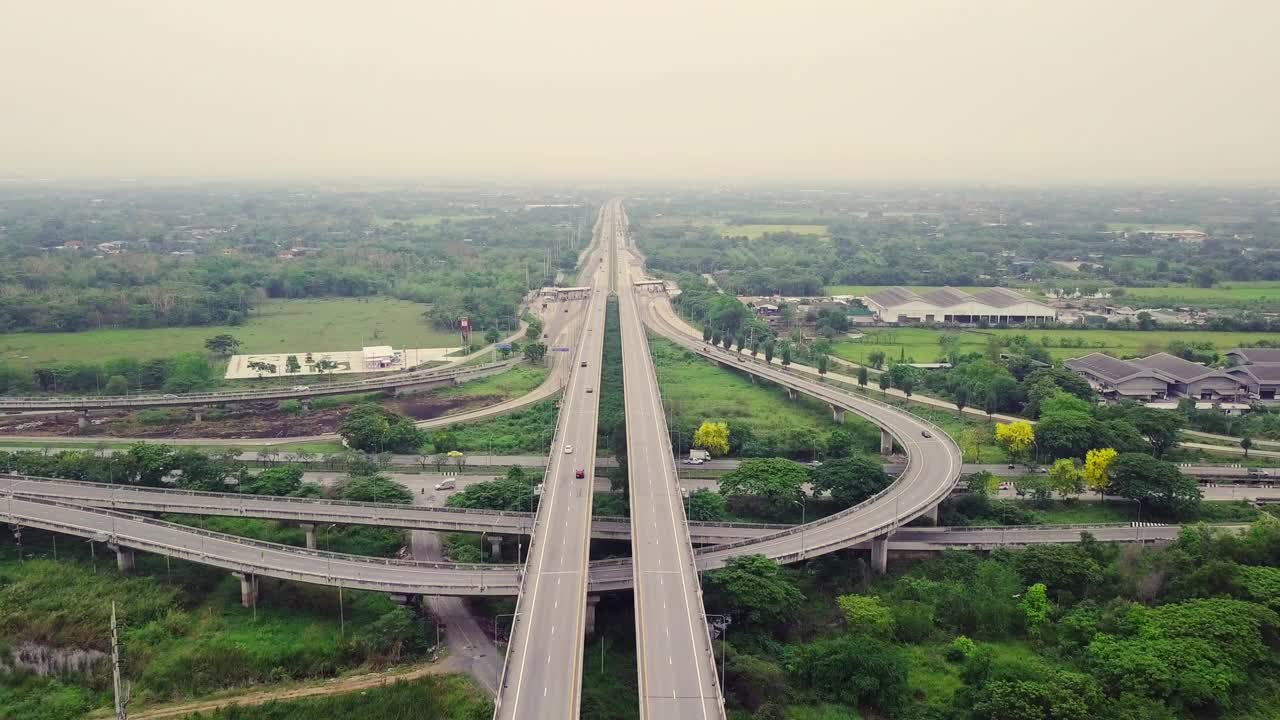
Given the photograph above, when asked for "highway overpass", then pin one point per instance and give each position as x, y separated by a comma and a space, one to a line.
677, 670
542, 673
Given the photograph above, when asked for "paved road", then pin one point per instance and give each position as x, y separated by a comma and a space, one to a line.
469, 647
676, 667
542, 676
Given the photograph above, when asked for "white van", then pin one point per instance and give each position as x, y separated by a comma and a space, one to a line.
447, 485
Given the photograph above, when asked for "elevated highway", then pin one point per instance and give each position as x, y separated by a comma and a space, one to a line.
542, 673
251, 558
677, 671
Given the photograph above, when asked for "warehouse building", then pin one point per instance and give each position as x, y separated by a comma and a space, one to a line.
995, 306
1157, 377
1258, 369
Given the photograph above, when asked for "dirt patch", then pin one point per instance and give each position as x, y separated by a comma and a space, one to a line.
235, 422
427, 406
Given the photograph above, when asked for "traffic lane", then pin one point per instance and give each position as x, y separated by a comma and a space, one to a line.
549, 631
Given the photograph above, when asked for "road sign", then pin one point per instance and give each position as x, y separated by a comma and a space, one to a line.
503, 346
559, 349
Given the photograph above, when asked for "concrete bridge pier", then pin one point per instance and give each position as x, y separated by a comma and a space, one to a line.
126, 561
592, 601
932, 514
248, 589
82, 419
495, 547
197, 414
408, 600
837, 414
886, 442
310, 530
880, 554
791, 394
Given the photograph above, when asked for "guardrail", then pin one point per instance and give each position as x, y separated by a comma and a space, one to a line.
355, 386
519, 520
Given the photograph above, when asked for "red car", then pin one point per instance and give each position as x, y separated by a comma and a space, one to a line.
579, 473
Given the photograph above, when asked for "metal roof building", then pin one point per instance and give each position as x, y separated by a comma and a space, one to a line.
1155, 377
996, 306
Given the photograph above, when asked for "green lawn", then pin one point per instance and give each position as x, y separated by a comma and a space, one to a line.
512, 383
1227, 293
442, 697
755, 232
694, 390
275, 326
922, 343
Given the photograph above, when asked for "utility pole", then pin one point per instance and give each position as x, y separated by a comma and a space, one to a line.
119, 685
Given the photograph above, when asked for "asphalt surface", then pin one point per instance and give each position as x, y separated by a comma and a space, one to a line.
542, 677
676, 667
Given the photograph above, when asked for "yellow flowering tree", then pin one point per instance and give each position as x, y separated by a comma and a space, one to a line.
1016, 437
712, 437
1096, 464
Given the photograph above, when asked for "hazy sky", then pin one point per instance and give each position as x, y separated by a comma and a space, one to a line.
858, 90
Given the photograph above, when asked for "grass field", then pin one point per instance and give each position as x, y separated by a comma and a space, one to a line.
278, 325
446, 697
696, 390
512, 383
430, 219
1150, 227
755, 232
922, 343
1225, 293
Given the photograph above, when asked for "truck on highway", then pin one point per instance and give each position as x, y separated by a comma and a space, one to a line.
697, 456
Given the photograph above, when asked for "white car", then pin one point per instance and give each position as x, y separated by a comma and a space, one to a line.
568, 449
301, 388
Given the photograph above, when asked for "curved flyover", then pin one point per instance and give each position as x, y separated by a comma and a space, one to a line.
287, 562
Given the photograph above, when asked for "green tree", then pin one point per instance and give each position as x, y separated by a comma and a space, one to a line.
1246, 442
534, 352
377, 489
222, 345
769, 347
866, 615
1035, 606
704, 505
786, 355
862, 376
394, 634
824, 364
1065, 479
960, 396
850, 480
512, 492
854, 671
1157, 484
492, 336
116, 385
754, 589
876, 359
777, 481
373, 428
884, 383
282, 480
1063, 696
191, 373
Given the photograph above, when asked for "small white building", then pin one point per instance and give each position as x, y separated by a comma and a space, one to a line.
380, 357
